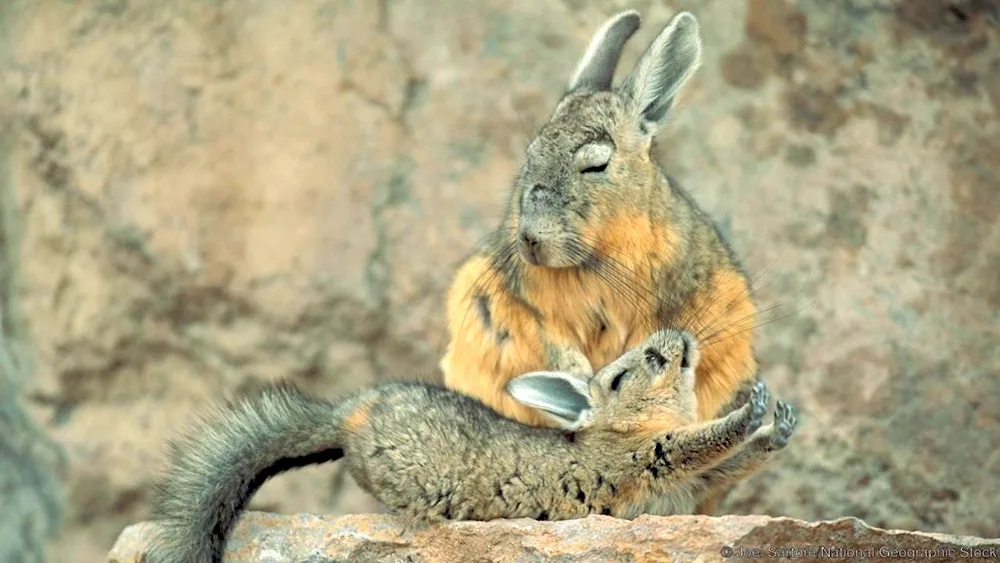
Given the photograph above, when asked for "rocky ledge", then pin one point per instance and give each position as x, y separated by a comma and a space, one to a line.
368, 537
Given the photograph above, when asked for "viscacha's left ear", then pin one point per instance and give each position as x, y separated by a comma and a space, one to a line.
597, 67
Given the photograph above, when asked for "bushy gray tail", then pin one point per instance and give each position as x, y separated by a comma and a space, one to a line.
219, 464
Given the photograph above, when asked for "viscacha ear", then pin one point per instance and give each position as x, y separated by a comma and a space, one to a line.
663, 69
597, 67
563, 397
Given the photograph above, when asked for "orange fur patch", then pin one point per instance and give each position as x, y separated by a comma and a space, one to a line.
569, 298
479, 364
358, 419
724, 323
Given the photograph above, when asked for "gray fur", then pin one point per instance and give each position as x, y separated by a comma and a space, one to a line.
435, 454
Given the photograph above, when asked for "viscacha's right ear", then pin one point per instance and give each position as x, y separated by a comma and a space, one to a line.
663, 70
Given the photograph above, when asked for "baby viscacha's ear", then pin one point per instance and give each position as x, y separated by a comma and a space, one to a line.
564, 398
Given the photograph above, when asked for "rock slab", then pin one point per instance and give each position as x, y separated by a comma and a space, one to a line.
368, 537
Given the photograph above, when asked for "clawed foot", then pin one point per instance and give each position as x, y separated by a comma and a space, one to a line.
775, 436
785, 421
759, 396
786, 418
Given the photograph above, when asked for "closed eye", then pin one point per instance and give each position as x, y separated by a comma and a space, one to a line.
593, 158
617, 381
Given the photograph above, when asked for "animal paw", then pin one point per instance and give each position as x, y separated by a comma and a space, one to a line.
785, 421
759, 396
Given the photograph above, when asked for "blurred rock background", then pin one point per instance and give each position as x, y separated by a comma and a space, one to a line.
197, 195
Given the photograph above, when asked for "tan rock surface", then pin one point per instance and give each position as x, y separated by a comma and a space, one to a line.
219, 192
677, 539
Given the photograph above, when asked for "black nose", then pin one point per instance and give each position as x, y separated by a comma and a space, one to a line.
685, 353
529, 240
530, 247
